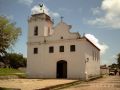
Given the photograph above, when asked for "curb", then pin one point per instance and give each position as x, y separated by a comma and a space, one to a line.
60, 86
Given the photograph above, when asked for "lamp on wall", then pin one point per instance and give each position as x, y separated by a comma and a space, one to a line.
87, 59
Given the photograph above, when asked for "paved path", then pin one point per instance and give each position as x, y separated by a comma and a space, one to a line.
107, 83
31, 84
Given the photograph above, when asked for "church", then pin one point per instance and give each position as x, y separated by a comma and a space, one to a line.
55, 52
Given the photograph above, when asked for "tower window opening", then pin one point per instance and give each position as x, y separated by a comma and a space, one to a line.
36, 30
48, 30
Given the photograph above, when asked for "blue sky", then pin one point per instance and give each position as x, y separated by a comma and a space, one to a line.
98, 19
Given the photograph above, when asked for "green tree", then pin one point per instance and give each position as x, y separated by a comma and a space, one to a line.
113, 66
15, 60
118, 60
8, 34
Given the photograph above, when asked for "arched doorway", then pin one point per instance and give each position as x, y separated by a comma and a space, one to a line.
61, 69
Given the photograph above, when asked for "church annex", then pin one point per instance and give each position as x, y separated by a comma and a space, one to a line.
55, 52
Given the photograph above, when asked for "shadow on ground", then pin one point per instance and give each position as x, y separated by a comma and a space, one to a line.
9, 88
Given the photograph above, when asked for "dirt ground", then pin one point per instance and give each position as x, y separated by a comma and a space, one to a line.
107, 83
31, 84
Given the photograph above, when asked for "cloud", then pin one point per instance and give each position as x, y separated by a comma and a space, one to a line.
110, 14
65, 10
36, 9
96, 11
26, 2
103, 47
54, 14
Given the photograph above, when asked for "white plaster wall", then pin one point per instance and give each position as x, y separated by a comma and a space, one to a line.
40, 23
92, 65
104, 71
62, 30
43, 65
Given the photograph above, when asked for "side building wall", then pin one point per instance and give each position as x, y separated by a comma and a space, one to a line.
92, 59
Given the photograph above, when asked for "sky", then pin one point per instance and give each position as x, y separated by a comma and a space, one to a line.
98, 20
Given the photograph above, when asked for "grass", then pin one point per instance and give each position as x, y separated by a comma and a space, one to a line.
11, 71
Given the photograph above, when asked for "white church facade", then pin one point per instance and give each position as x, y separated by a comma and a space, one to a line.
55, 52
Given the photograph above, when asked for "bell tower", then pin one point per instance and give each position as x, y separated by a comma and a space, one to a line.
39, 24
